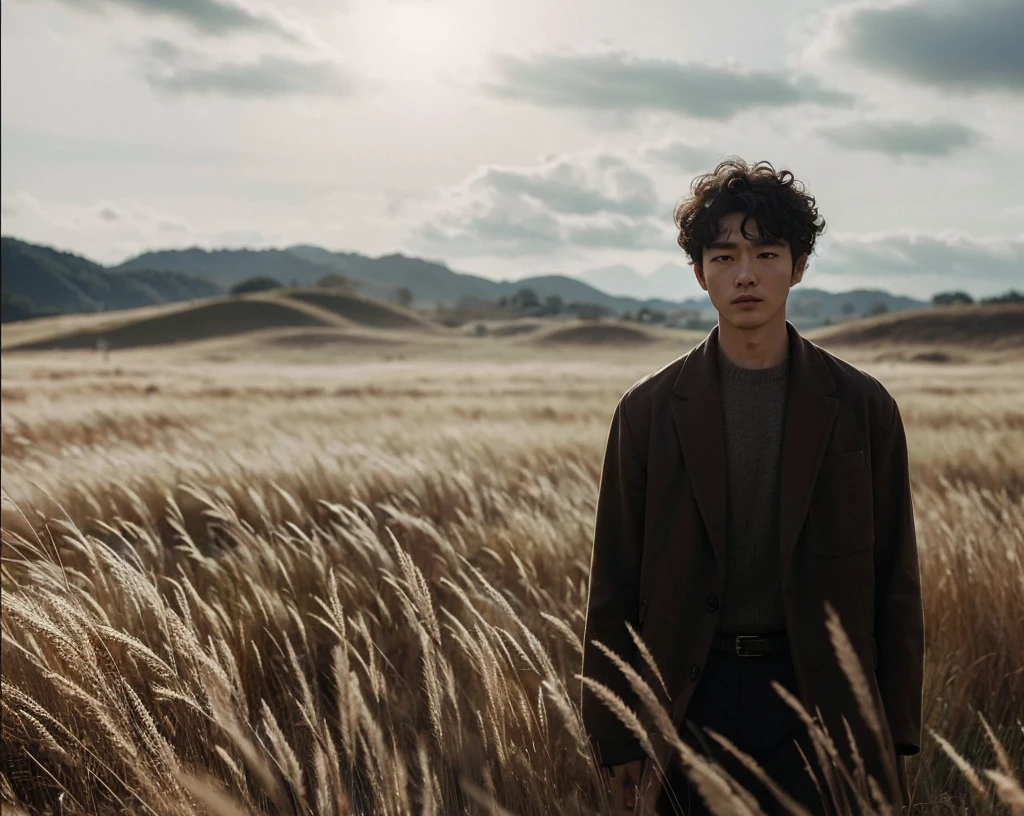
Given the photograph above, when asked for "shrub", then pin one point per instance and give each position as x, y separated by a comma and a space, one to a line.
261, 283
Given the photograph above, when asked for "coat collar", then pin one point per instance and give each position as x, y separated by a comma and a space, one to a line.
697, 413
700, 368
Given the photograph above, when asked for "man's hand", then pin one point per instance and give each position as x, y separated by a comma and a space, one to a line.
622, 782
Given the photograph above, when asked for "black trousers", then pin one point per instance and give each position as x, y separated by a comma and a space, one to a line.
734, 697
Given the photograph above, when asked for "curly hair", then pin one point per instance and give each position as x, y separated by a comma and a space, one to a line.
775, 200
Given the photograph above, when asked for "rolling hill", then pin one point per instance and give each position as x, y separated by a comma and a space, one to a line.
288, 313
993, 326
606, 334
430, 282
363, 310
38, 279
433, 283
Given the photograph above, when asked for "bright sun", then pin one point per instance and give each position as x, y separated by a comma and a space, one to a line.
410, 39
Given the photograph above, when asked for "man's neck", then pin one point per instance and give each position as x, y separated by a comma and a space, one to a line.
763, 347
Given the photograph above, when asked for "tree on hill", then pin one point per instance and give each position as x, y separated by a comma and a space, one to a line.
261, 283
1011, 296
951, 299
646, 315
553, 304
403, 296
336, 280
525, 300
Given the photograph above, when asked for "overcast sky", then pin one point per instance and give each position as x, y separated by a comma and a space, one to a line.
513, 139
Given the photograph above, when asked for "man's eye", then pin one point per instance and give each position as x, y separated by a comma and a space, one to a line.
770, 254
720, 257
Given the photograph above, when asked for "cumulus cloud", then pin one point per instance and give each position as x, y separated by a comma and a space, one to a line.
902, 139
922, 263
956, 45
587, 200
578, 186
619, 83
179, 72
212, 17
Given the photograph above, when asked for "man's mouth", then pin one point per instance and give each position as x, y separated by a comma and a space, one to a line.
747, 299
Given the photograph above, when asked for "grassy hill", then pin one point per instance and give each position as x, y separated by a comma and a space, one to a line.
430, 282
363, 310
595, 334
290, 311
39, 279
995, 326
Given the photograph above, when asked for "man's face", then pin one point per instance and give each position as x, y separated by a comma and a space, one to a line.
748, 281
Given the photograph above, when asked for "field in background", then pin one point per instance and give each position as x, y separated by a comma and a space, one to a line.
359, 581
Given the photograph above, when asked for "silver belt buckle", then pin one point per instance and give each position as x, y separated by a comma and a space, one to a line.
741, 650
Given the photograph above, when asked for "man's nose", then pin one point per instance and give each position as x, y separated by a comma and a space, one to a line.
745, 272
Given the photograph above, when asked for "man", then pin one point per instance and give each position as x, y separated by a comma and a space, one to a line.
746, 485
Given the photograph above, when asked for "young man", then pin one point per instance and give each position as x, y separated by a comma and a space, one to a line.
746, 485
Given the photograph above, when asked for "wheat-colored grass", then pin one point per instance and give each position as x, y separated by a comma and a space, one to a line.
256, 587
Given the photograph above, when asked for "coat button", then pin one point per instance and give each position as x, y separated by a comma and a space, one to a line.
694, 672
712, 603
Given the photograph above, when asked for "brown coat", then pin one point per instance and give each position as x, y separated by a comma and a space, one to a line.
846, 530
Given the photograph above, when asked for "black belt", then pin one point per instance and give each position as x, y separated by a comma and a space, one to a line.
751, 645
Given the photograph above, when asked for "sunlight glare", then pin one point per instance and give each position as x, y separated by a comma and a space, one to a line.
410, 40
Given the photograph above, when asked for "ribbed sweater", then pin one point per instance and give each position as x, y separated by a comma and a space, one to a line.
754, 410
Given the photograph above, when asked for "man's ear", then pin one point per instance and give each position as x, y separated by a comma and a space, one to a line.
798, 270
698, 273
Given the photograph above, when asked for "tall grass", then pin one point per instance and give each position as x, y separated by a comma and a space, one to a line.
343, 590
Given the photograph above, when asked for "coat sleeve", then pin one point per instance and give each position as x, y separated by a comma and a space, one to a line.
899, 617
613, 592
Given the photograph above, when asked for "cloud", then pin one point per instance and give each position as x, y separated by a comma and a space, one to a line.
212, 17
491, 231
922, 263
579, 185
19, 205
11, 205
956, 45
179, 72
615, 82
587, 200
901, 139
681, 154
621, 233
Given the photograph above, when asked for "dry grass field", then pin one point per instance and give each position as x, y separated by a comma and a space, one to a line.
289, 571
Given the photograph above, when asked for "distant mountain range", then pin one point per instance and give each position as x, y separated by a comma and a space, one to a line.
39, 280
667, 282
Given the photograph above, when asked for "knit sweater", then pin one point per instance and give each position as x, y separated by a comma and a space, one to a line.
754, 409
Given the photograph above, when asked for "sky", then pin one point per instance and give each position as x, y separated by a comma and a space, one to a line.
516, 139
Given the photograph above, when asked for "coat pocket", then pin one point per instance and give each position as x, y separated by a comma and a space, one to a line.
840, 519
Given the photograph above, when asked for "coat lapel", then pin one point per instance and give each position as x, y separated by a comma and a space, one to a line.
697, 412
809, 417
